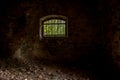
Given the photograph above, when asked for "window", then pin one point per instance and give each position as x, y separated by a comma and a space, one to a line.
53, 26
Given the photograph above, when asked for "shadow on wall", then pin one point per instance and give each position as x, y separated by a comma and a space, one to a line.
102, 64
5, 51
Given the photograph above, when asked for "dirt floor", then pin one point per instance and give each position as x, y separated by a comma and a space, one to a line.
33, 70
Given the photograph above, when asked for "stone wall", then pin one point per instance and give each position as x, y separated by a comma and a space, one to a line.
115, 34
23, 23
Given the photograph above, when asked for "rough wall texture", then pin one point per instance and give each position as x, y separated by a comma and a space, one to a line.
88, 32
115, 34
23, 23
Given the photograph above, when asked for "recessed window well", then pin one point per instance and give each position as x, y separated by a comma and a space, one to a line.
53, 26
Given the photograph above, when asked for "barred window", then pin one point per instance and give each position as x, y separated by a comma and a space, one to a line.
54, 26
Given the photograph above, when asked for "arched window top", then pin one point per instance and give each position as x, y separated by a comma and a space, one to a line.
54, 16
53, 26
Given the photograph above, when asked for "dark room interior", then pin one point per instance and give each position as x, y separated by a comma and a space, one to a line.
59, 40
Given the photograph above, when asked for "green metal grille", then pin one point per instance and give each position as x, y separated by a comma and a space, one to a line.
54, 28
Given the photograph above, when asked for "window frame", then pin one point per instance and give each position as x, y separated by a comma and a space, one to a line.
49, 17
